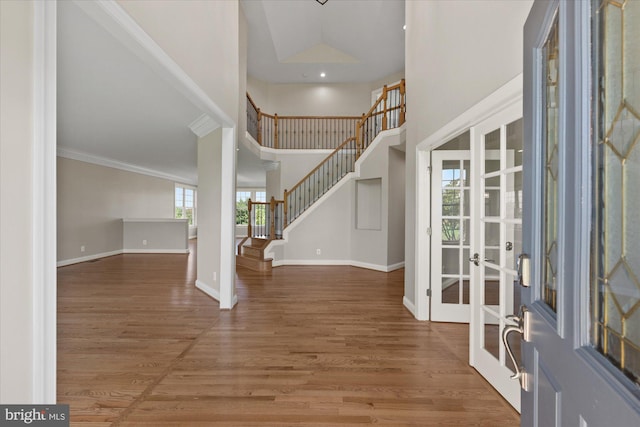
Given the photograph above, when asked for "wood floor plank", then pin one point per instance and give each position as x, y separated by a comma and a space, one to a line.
306, 346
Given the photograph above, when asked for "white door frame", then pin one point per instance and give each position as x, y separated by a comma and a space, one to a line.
502, 98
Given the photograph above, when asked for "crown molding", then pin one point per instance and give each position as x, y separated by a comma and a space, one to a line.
203, 125
110, 163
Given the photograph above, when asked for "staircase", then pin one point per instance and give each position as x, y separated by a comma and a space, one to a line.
251, 254
271, 218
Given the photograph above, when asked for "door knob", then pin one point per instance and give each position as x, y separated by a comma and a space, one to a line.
475, 259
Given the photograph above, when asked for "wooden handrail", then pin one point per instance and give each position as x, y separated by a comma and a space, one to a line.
255, 107
319, 117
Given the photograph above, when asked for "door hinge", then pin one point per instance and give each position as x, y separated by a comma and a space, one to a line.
428, 292
428, 169
428, 231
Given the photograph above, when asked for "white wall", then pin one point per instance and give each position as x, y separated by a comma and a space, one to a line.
93, 199
242, 66
202, 37
372, 246
209, 214
395, 227
328, 228
456, 53
16, 279
347, 99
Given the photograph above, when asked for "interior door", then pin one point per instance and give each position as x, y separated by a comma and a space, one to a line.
451, 234
497, 223
581, 353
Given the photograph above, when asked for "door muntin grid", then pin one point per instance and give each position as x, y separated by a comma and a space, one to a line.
501, 235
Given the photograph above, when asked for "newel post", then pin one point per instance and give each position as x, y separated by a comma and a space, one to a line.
285, 208
272, 208
275, 131
384, 115
403, 105
359, 136
249, 219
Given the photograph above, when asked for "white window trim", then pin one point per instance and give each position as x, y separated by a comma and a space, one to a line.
195, 201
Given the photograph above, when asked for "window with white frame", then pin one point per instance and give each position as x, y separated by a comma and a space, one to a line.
185, 203
242, 198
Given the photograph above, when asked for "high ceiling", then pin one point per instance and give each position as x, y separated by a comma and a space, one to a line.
113, 106
293, 41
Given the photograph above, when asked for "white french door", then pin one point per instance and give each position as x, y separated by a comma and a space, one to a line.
496, 223
451, 235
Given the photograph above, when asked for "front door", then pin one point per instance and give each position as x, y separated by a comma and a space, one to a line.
581, 355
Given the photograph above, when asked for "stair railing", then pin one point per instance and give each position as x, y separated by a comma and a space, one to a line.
266, 219
387, 112
270, 218
317, 182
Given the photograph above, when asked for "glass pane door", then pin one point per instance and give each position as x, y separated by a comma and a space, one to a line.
451, 219
499, 226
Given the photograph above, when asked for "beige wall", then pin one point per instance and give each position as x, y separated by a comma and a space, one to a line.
93, 199
331, 225
202, 37
456, 54
16, 280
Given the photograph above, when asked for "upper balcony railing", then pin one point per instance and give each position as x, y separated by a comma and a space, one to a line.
299, 132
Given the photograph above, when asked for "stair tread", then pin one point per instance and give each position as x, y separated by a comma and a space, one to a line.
252, 263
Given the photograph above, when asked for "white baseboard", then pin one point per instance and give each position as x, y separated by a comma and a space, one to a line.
409, 306
86, 258
209, 290
155, 251
343, 262
396, 266
214, 293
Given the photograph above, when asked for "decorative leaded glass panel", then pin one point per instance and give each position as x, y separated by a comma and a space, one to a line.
551, 164
615, 305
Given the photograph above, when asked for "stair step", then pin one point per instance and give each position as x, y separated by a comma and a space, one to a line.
252, 251
262, 265
257, 243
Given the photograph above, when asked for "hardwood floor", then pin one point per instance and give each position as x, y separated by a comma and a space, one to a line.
138, 344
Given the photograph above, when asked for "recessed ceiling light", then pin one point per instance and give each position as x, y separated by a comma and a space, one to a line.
323, 75
404, 27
